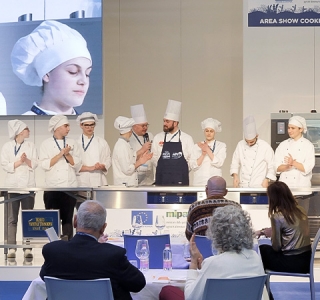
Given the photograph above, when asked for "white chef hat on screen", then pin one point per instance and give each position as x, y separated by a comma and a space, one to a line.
57, 121
46, 47
15, 127
138, 114
173, 110
249, 128
123, 124
211, 123
87, 117
299, 122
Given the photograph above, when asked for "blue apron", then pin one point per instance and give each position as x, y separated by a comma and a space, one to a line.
172, 168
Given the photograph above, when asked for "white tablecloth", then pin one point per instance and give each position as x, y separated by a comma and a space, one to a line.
37, 288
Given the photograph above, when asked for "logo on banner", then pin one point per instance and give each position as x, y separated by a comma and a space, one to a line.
166, 155
146, 216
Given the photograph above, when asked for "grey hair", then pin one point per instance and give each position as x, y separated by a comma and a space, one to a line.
91, 215
230, 229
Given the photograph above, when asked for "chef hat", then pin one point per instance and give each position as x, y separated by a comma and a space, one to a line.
15, 127
173, 110
138, 114
123, 124
299, 122
211, 123
249, 128
216, 185
57, 121
46, 47
87, 117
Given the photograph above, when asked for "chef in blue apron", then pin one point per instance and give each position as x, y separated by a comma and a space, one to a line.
172, 149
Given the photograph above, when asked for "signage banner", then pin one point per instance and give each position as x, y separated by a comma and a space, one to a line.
174, 222
273, 13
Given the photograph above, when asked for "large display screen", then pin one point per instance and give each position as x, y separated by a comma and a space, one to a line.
18, 98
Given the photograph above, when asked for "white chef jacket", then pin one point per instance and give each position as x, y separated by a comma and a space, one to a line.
97, 152
209, 167
186, 141
255, 163
62, 174
145, 171
22, 176
303, 152
229, 264
123, 161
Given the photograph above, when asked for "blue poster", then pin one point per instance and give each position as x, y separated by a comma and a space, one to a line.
288, 13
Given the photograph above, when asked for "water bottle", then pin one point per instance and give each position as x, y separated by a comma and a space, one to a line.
144, 259
167, 258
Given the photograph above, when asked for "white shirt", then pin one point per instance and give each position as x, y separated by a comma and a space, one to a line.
62, 174
209, 167
123, 161
98, 151
22, 176
229, 264
303, 152
253, 164
145, 171
186, 141
48, 112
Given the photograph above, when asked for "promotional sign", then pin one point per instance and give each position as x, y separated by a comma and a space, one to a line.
35, 222
145, 222
266, 13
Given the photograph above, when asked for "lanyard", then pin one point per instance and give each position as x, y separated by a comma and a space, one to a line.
39, 111
213, 147
17, 150
137, 138
64, 145
87, 234
85, 148
165, 138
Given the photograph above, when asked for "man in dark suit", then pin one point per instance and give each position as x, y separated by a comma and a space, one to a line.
83, 257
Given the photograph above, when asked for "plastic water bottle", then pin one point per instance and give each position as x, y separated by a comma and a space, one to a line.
167, 258
144, 259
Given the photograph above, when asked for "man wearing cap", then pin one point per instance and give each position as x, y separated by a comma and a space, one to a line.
200, 212
95, 153
253, 159
19, 160
172, 149
56, 57
60, 158
295, 159
125, 160
141, 139
208, 156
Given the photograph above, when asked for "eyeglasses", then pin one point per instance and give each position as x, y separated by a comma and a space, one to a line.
144, 125
89, 125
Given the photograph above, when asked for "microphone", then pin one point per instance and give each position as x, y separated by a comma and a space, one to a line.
146, 137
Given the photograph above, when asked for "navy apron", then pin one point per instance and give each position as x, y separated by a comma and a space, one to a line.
172, 168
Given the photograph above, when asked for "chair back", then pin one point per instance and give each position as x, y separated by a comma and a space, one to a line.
62, 289
156, 246
205, 246
313, 250
248, 288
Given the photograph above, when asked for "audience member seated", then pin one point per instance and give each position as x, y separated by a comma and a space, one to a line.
291, 248
83, 257
200, 212
232, 235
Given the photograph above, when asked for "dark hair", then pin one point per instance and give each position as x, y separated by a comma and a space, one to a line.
282, 200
